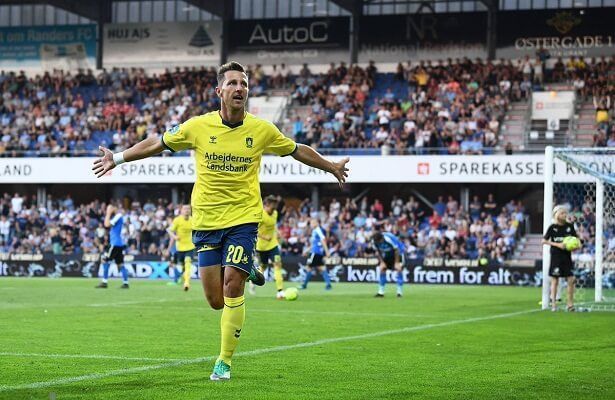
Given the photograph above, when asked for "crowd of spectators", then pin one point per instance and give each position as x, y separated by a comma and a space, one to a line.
485, 230
444, 230
593, 80
58, 112
455, 105
60, 226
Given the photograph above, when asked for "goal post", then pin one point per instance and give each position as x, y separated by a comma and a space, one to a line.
546, 221
583, 180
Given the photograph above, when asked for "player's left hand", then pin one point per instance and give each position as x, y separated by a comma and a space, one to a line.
340, 171
105, 163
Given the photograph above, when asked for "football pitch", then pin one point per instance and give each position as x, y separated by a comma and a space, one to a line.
63, 339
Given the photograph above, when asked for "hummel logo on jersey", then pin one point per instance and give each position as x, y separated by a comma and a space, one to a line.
237, 333
212, 139
249, 142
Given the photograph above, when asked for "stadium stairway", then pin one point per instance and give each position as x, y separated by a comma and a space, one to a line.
528, 250
515, 124
585, 124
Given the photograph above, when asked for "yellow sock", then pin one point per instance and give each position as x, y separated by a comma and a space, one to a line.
187, 271
233, 315
277, 276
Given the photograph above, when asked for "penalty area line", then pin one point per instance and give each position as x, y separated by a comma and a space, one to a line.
275, 349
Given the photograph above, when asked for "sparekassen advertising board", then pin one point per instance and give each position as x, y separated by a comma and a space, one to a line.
363, 169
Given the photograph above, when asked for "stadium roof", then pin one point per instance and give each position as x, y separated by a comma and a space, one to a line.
100, 11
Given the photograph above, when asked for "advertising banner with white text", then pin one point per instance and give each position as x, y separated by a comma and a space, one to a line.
365, 169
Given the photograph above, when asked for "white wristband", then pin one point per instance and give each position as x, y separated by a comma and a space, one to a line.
118, 158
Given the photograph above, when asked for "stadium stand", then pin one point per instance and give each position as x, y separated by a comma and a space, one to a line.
63, 227
453, 108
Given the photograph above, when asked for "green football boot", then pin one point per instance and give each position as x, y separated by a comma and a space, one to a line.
256, 277
222, 371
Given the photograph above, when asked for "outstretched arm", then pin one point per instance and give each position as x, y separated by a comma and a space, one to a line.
311, 157
145, 148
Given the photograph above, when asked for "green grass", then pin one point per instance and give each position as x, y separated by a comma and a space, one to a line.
453, 346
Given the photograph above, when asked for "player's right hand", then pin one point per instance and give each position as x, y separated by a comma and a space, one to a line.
104, 164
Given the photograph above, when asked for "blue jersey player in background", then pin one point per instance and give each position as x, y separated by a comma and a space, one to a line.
114, 220
318, 243
390, 251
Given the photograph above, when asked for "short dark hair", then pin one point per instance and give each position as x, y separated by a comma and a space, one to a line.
229, 66
378, 237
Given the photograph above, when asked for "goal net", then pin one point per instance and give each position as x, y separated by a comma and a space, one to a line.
583, 181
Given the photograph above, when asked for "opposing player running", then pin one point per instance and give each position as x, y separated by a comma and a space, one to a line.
226, 202
390, 252
114, 221
318, 251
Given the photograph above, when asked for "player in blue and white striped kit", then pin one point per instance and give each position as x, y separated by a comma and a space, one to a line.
390, 251
319, 250
115, 221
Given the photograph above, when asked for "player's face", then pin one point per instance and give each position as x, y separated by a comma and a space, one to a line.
561, 216
234, 90
185, 211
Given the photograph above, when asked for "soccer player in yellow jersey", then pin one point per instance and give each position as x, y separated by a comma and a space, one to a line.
226, 203
267, 246
181, 235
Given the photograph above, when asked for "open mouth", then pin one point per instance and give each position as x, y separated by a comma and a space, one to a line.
238, 97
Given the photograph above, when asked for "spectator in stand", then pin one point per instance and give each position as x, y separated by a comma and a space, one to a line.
490, 205
602, 106
611, 141
302, 93
439, 206
17, 203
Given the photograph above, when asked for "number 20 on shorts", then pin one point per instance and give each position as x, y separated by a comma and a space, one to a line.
234, 254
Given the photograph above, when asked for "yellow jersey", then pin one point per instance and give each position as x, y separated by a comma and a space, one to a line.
183, 229
268, 227
228, 159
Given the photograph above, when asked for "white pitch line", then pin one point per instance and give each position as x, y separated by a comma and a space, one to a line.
125, 371
284, 311
85, 356
127, 303
349, 313
12, 306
